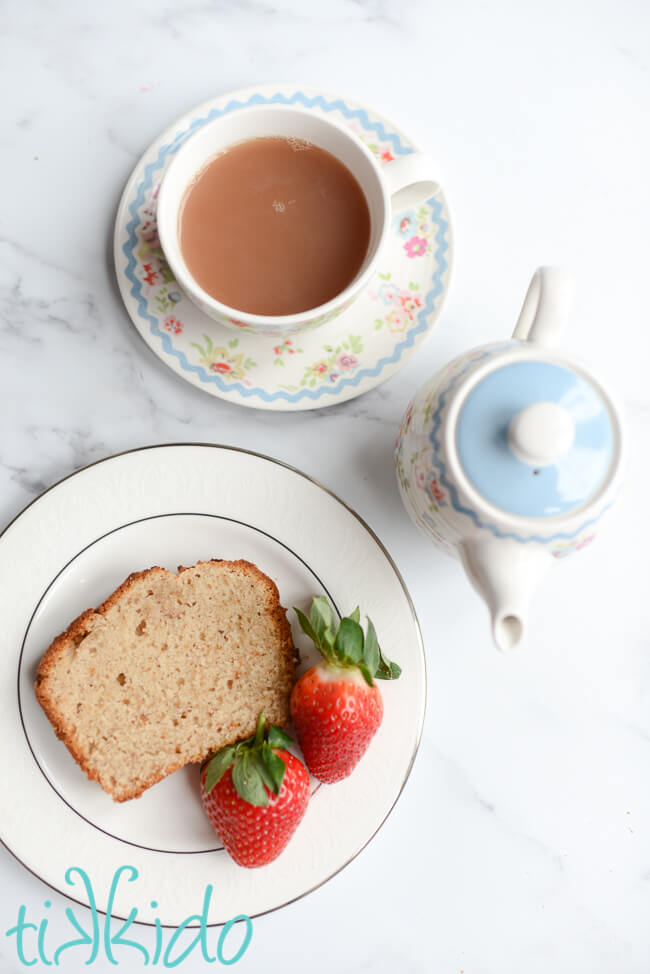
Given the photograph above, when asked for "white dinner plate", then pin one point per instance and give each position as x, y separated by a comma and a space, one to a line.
174, 505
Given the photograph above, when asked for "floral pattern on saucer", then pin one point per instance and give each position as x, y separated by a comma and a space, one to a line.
336, 361
416, 230
403, 304
227, 362
364, 345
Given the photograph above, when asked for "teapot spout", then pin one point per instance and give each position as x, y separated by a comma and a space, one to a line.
505, 573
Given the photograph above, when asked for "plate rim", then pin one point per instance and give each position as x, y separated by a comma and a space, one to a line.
233, 396
409, 601
46, 590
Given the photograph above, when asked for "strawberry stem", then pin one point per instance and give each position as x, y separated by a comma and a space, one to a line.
259, 731
345, 644
257, 769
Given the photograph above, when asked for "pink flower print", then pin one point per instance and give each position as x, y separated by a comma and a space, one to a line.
397, 321
347, 362
427, 482
434, 491
173, 325
388, 293
415, 247
420, 475
584, 542
150, 233
150, 274
410, 303
405, 223
387, 156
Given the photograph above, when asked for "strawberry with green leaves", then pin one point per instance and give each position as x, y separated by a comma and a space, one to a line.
255, 793
336, 707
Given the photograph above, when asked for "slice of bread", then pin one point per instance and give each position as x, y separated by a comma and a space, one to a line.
167, 670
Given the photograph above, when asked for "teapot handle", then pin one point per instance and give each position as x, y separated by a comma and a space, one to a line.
545, 310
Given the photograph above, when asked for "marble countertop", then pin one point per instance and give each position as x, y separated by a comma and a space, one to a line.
522, 839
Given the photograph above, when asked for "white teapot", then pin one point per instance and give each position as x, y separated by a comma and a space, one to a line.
508, 457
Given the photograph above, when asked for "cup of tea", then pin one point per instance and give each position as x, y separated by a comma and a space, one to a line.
273, 218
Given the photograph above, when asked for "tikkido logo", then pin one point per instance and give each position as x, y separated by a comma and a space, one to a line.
32, 941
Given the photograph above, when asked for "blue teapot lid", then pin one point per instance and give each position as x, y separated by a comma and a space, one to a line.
535, 438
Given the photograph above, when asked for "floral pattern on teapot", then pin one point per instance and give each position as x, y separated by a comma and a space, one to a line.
419, 479
509, 455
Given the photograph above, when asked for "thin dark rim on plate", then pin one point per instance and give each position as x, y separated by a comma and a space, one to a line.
287, 466
153, 517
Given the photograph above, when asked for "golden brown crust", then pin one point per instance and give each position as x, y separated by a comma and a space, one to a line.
80, 627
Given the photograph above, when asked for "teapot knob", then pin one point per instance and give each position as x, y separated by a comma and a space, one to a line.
541, 433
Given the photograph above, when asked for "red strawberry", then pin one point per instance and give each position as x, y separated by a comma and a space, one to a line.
335, 706
255, 793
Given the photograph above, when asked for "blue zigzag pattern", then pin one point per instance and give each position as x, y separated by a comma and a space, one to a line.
453, 493
317, 101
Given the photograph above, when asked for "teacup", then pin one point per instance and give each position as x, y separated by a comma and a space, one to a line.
402, 182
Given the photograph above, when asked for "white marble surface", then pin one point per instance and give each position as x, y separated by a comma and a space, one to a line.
521, 842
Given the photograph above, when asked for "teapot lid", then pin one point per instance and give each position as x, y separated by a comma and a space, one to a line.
537, 438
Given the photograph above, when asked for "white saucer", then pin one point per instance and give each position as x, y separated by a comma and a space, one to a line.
363, 347
168, 506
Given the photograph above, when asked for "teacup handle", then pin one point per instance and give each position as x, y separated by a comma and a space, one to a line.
411, 179
545, 311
